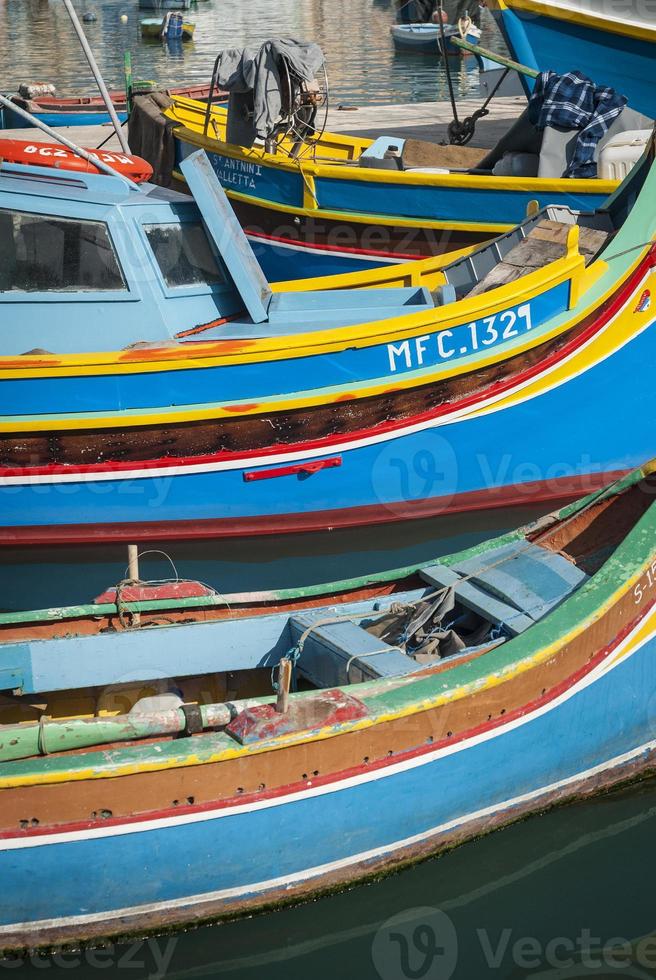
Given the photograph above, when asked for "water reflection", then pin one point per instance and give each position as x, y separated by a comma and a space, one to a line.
363, 67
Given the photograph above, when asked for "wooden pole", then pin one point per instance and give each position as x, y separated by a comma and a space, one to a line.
133, 575
133, 563
284, 681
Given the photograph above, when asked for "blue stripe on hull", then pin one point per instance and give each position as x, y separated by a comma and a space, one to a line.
542, 439
170, 864
489, 205
244, 382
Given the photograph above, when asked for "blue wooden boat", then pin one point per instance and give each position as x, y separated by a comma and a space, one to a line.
161, 390
451, 699
611, 46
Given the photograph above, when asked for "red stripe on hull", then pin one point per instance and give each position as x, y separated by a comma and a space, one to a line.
346, 249
517, 495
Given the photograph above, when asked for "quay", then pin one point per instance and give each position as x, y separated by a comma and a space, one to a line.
419, 120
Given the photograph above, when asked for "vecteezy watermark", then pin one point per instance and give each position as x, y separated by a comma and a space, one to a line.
418, 944
423, 944
144, 959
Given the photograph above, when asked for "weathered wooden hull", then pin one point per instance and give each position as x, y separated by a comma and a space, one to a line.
438, 758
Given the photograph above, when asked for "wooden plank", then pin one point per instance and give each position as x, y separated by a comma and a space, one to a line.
227, 234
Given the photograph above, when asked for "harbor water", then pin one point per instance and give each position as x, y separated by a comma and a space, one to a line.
363, 68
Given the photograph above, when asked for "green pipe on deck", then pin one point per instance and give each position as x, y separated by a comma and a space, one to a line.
47, 737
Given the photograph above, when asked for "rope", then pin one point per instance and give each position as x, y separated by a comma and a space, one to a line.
461, 132
447, 66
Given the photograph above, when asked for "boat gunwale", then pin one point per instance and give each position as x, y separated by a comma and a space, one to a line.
305, 165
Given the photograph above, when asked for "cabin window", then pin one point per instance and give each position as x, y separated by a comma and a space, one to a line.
184, 254
43, 253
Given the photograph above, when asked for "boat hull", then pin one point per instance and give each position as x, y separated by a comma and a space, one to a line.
560, 35
406, 213
499, 448
425, 799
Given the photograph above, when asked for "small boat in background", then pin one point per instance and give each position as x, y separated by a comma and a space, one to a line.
164, 4
171, 28
79, 110
426, 38
140, 736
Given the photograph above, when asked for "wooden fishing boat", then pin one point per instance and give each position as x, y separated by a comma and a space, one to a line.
199, 403
447, 700
426, 38
153, 27
83, 110
335, 203
611, 46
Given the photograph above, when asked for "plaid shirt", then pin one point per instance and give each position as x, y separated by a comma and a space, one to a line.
572, 101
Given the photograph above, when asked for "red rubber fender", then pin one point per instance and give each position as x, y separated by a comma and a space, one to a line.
56, 155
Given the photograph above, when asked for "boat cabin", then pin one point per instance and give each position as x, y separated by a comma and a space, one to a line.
90, 263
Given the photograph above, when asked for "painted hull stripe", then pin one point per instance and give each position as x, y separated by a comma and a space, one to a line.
60, 473
317, 871
627, 647
393, 258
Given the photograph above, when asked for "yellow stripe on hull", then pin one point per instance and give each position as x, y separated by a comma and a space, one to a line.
181, 357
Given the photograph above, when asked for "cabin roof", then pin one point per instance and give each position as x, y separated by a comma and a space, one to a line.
65, 185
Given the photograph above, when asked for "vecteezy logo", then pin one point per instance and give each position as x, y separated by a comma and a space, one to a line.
418, 944
644, 302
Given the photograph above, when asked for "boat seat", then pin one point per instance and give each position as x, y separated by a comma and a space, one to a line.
337, 653
514, 585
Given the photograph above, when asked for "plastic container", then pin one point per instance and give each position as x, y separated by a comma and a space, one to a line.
621, 152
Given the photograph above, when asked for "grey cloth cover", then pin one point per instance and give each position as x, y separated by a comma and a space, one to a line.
259, 71
150, 134
554, 146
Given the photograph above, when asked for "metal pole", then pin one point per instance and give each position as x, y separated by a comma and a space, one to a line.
96, 72
60, 138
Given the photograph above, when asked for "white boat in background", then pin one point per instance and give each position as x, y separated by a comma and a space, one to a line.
426, 38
